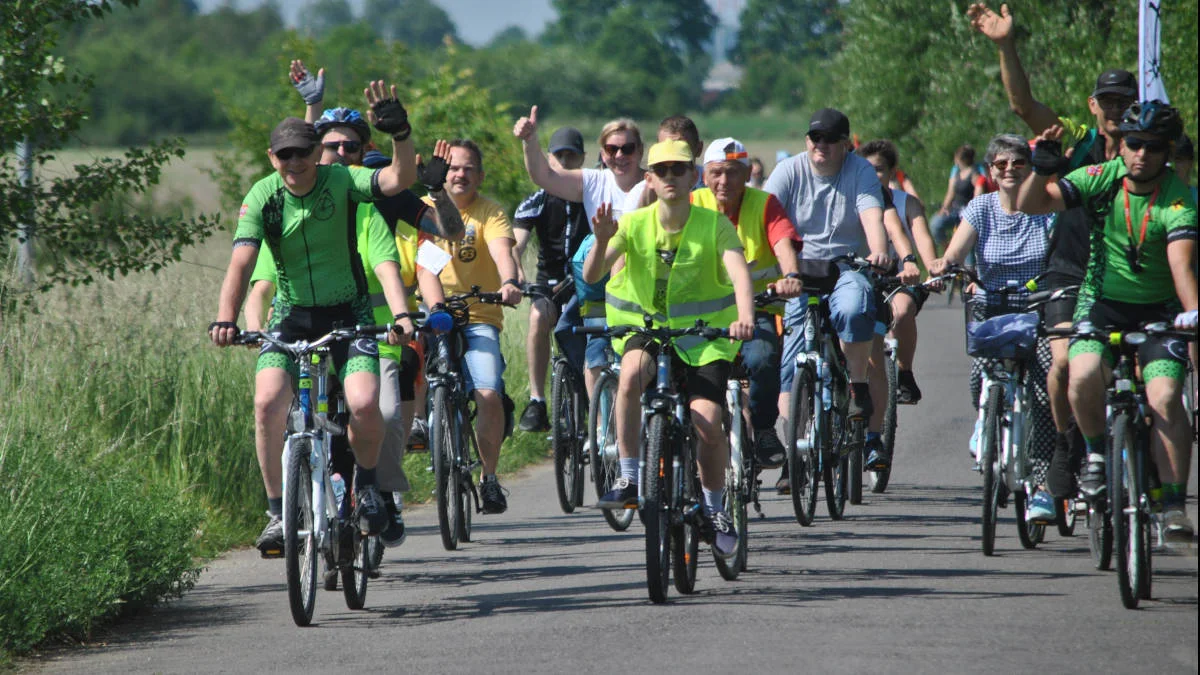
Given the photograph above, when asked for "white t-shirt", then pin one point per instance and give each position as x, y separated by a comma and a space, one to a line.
600, 187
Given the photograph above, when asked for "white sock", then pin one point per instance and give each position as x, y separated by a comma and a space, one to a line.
629, 469
714, 500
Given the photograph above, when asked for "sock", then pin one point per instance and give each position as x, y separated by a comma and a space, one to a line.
1095, 446
874, 435
488, 478
536, 399
629, 469
363, 477
399, 501
713, 500
275, 506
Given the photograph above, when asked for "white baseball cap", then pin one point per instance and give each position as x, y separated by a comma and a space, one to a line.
726, 150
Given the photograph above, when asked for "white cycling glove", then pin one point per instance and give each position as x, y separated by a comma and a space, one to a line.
1186, 320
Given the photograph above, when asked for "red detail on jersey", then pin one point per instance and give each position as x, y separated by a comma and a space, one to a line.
1095, 170
242, 212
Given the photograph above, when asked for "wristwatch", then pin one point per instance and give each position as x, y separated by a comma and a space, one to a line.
514, 282
910, 258
792, 275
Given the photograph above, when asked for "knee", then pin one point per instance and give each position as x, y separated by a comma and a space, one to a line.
1165, 400
487, 400
707, 422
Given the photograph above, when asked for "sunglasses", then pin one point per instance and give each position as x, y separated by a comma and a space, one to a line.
1136, 144
1005, 164
675, 169
346, 146
626, 149
820, 137
287, 154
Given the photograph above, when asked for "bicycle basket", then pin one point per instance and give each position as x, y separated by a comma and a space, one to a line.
1007, 336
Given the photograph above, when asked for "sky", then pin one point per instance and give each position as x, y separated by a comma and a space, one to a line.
477, 20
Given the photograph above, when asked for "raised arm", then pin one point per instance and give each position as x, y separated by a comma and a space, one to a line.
1040, 193
445, 221
600, 258
999, 29
390, 117
312, 89
563, 183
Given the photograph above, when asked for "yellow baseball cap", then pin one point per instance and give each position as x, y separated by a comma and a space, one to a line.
669, 151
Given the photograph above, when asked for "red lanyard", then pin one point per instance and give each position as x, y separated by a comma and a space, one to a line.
1145, 218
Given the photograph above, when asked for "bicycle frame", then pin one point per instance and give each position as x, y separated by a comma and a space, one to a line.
661, 399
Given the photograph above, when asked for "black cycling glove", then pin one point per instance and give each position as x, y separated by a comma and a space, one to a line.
433, 174
312, 89
1048, 158
391, 118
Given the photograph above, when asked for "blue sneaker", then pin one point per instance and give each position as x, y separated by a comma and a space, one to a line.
1041, 508
878, 458
725, 541
623, 495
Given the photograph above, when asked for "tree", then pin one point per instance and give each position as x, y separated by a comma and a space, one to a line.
793, 30
509, 36
81, 229
321, 16
419, 23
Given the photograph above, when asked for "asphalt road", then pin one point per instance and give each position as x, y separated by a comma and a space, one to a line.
899, 586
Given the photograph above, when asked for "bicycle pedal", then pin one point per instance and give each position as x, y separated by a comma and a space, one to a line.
271, 553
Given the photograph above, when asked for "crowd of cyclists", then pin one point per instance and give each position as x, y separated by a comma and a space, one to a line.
335, 237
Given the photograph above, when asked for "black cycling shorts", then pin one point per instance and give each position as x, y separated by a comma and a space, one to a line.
310, 323
707, 381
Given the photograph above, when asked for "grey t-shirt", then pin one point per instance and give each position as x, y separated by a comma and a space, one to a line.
825, 209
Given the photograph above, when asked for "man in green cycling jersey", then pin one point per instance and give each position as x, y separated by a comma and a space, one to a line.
303, 213
1140, 270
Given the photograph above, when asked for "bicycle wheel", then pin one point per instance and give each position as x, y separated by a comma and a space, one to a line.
1127, 514
1030, 533
1099, 535
685, 530
579, 406
735, 503
563, 435
989, 463
835, 463
854, 467
803, 464
1064, 517
375, 557
442, 452
656, 490
299, 535
465, 504
355, 571
602, 443
879, 479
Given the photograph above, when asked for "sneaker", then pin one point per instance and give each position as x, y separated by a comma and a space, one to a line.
770, 450
270, 542
371, 513
907, 391
1060, 480
394, 534
726, 540
418, 436
1041, 508
860, 407
783, 486
330, 580
1177, 529
973, 444
1093, 480
623, 495
878, 458
493, 497
534, 418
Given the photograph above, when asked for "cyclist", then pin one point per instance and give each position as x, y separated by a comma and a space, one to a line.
961, 189
492, 269
907, 303
680, 261
1009, 246
560, 225
1115, 91
682, 128
1140, 270
301, 212
767, 241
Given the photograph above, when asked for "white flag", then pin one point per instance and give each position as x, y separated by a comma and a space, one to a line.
1150, 84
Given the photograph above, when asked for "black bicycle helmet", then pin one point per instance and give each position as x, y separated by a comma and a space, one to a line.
1153, 117
343, 117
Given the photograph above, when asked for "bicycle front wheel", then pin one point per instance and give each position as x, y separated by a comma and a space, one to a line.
989, 463
465, 505
602, 446
441, 439
1125, 505
656, 490
564, 437
735, 504
854, 466
299, 534
803, 464
879, 479
685, 530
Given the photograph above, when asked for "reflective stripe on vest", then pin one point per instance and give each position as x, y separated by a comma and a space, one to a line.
752, 231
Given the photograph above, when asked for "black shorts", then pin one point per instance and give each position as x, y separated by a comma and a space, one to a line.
1124, 316
707, 381
918, 293
310, 323
1061, 310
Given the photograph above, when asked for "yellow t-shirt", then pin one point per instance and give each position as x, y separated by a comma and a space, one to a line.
471, 262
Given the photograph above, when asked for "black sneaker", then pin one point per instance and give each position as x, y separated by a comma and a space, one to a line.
725, 539
534, 418
907, 391
860, 407
394, 534
878, 458
418, 436
623, 495
1093, 481
270, 541
330, 580
770, 450
783, 486
493, 497
372, 514
1060, 480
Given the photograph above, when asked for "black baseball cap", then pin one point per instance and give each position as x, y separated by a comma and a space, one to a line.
830, 121
566, 138
1120, 82
293, 132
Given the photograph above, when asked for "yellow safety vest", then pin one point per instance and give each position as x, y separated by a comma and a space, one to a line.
698, 286
752, 231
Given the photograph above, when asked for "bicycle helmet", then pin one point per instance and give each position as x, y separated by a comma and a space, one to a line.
343, 117
1153, 117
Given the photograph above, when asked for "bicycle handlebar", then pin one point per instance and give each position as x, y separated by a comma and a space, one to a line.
302, 347
661, 334
1087, 330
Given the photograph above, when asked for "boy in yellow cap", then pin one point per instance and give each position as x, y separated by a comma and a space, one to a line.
681, 263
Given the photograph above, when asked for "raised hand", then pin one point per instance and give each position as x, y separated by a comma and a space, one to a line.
603, 225
526, 127
1047, 152
312, 89
997, 27
433, 174
387, 113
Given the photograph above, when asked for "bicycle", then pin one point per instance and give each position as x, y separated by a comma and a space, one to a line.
316, 523
602, 440
1128, 506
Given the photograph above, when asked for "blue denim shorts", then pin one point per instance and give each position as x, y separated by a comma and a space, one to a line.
851, 309
599, 348
483, 364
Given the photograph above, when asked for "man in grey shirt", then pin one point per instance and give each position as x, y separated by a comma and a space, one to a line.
836, 203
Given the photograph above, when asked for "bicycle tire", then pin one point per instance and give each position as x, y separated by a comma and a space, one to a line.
735, 504
1148, 525
1064, 517
563, 434
299, 534
879, 479
656, 488
989, 447
375, 547
685, 532
1128, 533
602, 430
854, 466
836, 468
1028, 532
803, 465
1100, 535
355, 572
441, 440
579, 406
469, 451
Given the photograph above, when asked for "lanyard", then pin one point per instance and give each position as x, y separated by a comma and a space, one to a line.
1145, 218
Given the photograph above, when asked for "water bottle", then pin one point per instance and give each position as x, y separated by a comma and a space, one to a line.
339, 492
